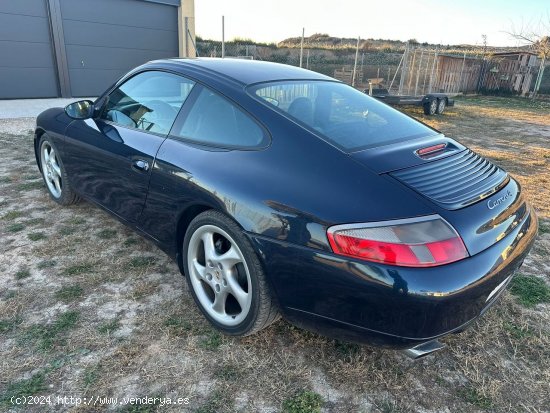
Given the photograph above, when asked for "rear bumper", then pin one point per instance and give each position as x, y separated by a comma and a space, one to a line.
386, 305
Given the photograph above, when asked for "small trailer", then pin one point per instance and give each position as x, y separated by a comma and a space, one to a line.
433, 103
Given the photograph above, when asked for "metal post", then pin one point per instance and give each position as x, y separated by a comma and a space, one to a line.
302, 47
355, 63
186, 25
418, 72
223, 37
307, 59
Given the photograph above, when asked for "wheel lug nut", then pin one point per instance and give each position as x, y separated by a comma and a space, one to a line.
209, 277
218, 288
209, 263
220, 266
224, 282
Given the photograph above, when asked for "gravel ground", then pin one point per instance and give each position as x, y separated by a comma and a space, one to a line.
89, 309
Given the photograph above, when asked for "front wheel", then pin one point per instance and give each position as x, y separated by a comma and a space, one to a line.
225, 276
54, 173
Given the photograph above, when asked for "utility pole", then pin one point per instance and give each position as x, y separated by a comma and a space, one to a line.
223, 37
302, 47
355, 63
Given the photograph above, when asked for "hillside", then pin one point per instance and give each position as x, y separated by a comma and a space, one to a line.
325, 41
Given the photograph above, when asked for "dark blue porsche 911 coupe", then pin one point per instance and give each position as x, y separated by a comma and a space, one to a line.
280, 191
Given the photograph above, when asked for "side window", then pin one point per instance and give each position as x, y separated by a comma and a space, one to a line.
149, 101
215, 120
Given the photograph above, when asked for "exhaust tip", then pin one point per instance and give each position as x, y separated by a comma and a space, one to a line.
423, 349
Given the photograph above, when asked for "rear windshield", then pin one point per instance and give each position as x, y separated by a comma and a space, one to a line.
341, 114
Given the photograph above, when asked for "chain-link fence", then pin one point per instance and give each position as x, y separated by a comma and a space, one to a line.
416, 71
337, 63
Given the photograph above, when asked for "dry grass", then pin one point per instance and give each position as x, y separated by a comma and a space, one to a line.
87, 308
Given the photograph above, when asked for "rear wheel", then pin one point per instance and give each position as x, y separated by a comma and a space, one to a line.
441, 105
430, 108
225, 276
54, 173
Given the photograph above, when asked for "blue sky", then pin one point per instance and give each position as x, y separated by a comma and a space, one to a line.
434, 21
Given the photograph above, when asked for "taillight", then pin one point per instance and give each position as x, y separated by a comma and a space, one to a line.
416, 242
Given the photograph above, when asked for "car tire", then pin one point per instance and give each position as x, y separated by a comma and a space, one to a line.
225, 276
54, 173
441, 105
430, 108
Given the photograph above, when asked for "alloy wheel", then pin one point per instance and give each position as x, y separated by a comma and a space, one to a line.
51, 169
219, 275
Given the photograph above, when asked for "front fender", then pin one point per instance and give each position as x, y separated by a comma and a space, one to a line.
54, 122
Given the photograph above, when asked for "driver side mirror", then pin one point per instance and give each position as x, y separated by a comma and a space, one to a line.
83, 109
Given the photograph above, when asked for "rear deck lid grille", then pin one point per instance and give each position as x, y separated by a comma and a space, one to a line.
455, 181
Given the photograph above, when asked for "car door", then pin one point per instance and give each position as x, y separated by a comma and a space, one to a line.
211, 137
109, 158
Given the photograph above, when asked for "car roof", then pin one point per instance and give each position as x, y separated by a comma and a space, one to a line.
246, 71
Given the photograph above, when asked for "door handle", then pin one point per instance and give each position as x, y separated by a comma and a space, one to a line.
141, 165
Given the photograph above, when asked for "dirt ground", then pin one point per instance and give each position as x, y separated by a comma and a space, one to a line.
89, 309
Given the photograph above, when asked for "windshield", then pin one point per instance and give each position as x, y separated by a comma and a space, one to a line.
341, 114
